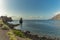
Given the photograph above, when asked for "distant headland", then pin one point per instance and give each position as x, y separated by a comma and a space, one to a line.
57, 17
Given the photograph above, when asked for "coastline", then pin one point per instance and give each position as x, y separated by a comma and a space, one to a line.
36, 37
27, 34
32, 36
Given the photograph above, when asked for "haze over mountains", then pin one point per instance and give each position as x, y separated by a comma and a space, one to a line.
56, 17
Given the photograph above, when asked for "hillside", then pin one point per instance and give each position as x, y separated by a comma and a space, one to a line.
57, 17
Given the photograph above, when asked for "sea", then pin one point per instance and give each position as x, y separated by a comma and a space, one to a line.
49, 28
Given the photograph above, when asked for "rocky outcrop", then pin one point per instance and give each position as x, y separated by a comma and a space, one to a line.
6, 19
57, 17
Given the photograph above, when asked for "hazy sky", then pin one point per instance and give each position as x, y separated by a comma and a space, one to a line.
32, 9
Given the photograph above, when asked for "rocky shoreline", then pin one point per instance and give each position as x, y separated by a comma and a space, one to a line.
36, 37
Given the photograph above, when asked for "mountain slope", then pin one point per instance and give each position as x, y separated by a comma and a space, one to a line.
57, 17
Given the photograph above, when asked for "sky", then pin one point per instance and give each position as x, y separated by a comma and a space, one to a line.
30, 9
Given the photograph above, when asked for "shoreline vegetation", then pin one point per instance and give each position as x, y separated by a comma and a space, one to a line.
14, 33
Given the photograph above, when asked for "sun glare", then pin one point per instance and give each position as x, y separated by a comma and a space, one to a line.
2, 11
57, 13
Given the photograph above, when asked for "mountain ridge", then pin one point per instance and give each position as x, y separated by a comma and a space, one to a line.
56, 17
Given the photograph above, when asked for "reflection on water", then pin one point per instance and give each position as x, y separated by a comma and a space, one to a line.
41, 27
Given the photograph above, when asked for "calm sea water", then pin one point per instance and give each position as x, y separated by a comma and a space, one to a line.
40, 27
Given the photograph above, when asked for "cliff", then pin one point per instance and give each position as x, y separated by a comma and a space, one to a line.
57, 17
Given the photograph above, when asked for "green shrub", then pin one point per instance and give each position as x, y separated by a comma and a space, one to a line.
5, 28
19, 33
11, 36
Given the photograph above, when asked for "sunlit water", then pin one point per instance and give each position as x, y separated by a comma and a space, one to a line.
40, 27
